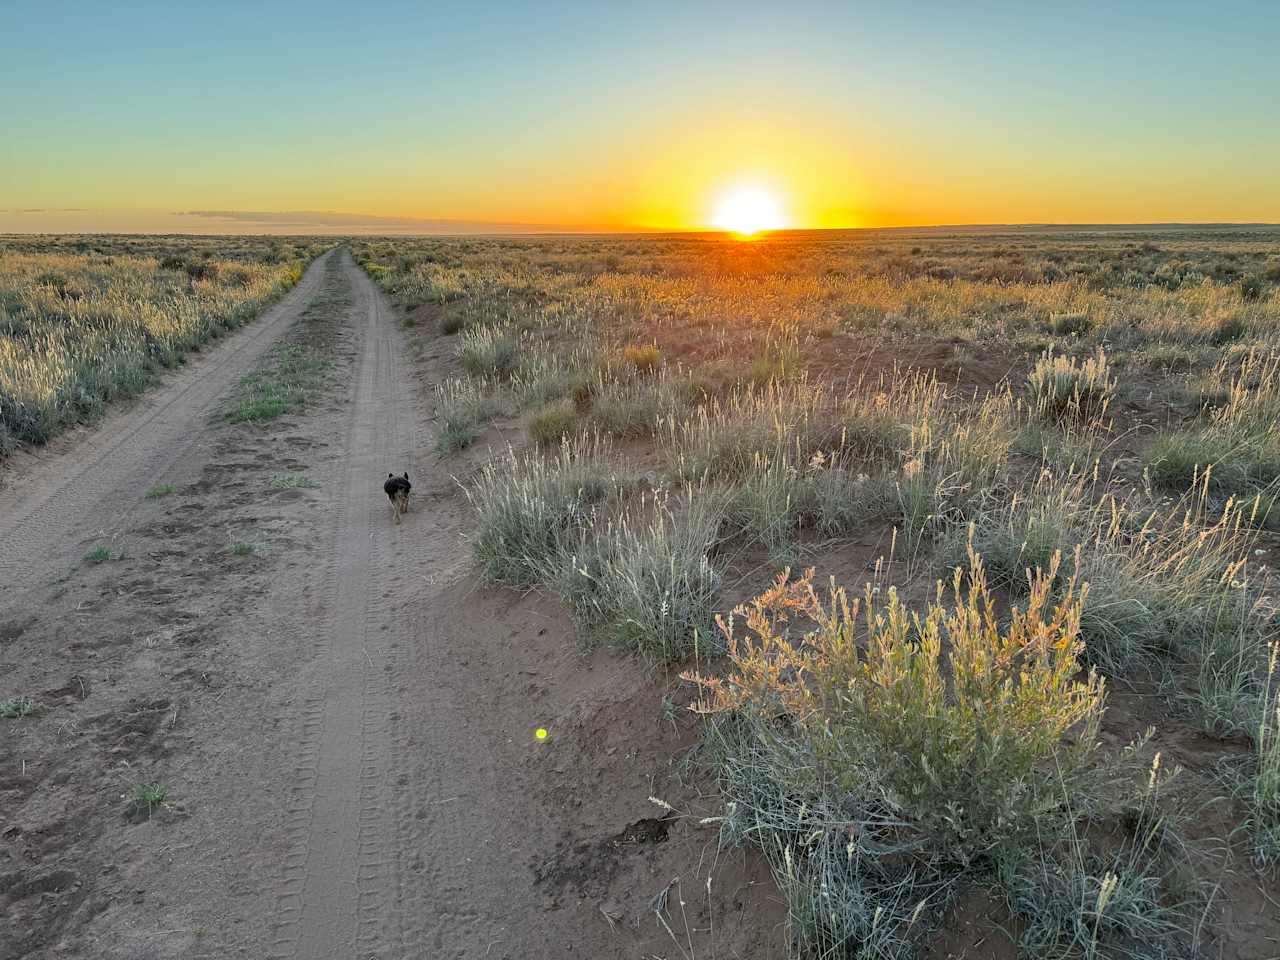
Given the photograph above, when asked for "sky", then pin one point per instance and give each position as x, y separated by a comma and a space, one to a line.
452, 117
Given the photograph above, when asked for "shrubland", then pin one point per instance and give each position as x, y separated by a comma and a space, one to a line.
1045, 466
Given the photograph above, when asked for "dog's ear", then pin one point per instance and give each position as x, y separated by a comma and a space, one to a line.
406, 474
390, 475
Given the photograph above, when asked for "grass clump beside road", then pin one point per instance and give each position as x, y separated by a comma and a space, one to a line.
489, 352
636, 575
463, 407
645, 582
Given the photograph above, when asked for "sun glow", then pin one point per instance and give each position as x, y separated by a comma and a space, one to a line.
748, 210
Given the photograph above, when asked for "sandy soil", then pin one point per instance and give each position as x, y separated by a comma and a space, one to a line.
344, 719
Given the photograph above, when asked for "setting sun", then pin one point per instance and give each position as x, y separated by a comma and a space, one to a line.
747, 211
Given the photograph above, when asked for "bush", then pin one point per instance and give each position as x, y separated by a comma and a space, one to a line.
961, 752
645, 359
553, 422
1062, 388
873, 771
1252, 288
1070, 324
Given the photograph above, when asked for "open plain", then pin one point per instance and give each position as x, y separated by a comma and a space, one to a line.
243, 713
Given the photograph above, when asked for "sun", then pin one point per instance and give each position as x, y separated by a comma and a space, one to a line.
748, 210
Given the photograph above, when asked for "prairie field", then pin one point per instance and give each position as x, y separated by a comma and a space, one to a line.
85, 321
956, 548
877, 594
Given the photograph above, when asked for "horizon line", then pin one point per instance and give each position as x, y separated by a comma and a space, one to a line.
322, 223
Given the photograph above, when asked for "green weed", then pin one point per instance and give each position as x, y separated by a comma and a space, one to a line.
291, 481
14, 708
148, 796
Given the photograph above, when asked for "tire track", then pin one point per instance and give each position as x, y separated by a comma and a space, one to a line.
336, 892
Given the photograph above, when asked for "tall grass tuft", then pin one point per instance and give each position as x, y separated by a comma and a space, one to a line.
529, 506
1063, 388
553, 422
489, 351
646, 582
1169, 585
1265, 799
1128, 898
463, 407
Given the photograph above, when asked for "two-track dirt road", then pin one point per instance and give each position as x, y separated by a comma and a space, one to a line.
342, 718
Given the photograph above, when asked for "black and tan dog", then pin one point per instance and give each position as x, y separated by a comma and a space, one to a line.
397, 491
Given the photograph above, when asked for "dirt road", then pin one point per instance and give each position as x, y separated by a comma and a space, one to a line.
342, 719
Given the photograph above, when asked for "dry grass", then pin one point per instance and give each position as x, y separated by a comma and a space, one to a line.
79, 330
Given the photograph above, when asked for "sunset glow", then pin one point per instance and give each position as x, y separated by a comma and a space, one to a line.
747, 211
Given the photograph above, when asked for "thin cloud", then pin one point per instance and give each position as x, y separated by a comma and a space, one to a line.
368, 223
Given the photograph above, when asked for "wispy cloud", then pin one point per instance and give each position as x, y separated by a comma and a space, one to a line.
331, 221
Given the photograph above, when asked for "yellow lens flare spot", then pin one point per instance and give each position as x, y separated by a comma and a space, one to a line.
541, 733
748, 210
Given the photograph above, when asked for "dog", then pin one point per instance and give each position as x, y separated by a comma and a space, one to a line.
397, 491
